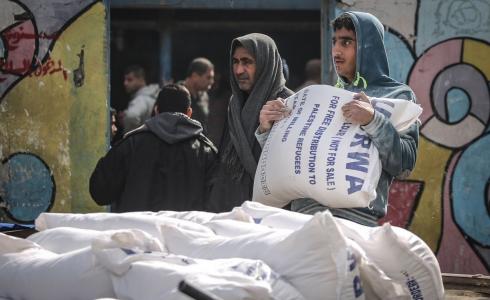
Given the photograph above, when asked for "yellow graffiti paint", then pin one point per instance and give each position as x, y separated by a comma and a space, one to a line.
431, 168
476, 53
88, 121
65, 125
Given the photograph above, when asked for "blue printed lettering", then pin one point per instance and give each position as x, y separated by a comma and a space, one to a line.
355, 184
377, 105
413, 287
360, 161
343, 129
357, 286
312, 179
361, 139
310, 120
333, 102
297, 156
288, 129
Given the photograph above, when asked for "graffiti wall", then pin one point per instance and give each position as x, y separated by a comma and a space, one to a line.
441, 49
53, 104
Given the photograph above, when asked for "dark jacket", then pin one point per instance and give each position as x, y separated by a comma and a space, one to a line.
167, 164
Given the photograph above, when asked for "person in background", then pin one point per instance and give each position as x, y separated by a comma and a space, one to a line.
256, 76
199, 80
361, 64
113, 113
313, 73
142, 99
166, 164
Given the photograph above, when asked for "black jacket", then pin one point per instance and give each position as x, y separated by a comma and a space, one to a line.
167, 164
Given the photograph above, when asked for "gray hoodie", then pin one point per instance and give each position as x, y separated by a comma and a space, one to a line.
140, 107
173, 127
397, 151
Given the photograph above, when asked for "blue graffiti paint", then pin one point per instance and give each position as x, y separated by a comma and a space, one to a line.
488, 125
458, 104
442, 19
29, 188
399, 57
469, 191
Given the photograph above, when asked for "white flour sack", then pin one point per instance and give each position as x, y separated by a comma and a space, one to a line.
403, 256
30, 272
315, 153
316, 259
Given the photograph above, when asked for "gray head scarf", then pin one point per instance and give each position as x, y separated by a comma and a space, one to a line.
243, 112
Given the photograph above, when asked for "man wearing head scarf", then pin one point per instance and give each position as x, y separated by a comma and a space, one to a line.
256, 77
361, 64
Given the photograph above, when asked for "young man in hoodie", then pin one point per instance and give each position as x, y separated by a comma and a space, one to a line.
143, 98
166, 164
256, 70
361, 64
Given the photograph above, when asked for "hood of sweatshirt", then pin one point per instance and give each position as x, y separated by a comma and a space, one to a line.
173, 127
372, 71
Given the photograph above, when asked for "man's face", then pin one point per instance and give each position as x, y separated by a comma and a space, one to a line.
133, 83
344, 48
113, 126
244, 67
205, 81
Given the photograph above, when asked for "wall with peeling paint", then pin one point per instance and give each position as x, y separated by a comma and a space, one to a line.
441, 48
53, 104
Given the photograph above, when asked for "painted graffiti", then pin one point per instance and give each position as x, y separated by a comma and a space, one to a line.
464, 17
28, 32
13, 37
43, 69
79, 73
26, 175
47, 122
446, 201
50, 67
441, 20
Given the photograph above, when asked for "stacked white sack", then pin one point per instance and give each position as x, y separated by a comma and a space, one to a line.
29, 272
401, 256
125, 264
111, 221
315, 153
275, 217
316, 259
141, 271
200, 217
418, 271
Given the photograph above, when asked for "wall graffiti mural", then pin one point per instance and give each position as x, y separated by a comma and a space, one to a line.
441, 20
446, 200
30, 187
451, 82
53, 104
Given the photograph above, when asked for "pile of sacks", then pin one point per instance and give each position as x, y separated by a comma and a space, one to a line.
253, 252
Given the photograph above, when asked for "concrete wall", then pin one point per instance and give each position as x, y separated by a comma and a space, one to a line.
441, 49
53, 104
